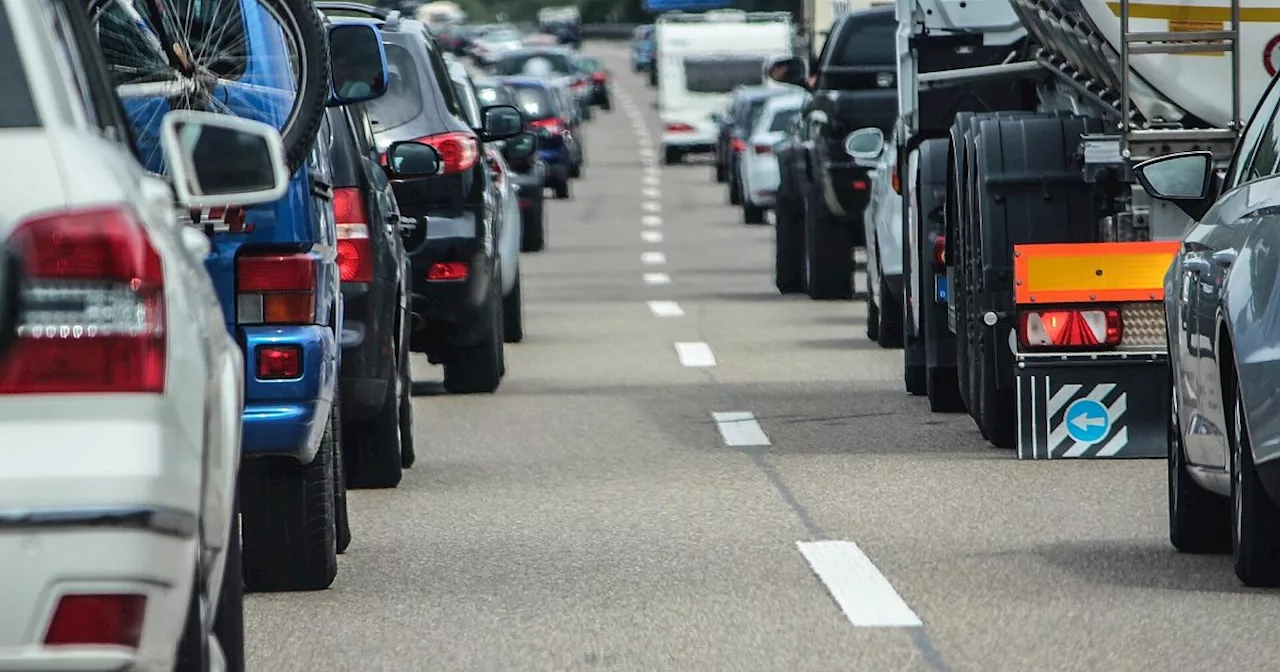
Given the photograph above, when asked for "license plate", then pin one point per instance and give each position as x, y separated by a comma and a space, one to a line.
941, 283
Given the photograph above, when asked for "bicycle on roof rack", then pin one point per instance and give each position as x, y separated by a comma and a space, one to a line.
220, 56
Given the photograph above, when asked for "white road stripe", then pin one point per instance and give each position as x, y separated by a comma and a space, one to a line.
652, 180
666, 309
695, 354
657, 279
652, 206
651, 220
867, 599
651, 236
739, 428
651, 192
653, 258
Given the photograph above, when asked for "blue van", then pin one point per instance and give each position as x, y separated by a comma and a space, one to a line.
274, 266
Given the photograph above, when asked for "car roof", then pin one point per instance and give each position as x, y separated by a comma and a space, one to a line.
526, 81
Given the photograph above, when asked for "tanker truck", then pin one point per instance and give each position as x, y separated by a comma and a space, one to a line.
1033, 260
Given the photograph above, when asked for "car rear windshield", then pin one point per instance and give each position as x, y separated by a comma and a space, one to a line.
782, 119
721, 74
18, 110
589, 65
403, 101
755, 107
867, 44
515, 63
488, 95
535, 102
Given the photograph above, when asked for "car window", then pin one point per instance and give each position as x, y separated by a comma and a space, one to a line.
867, 44
721, 74
362, 131
469, 106
514, 64
751, 112
440, 70
1257, 136
783, 119
18, 110
403, 100
536, 103
1267, 154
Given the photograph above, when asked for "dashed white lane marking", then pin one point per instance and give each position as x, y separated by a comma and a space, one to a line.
695, 354
740, 429
651, 236
652, 206
651, 220
666, 309
652, 180
867, 599
650, 192
646, 153
653, 258
657, 279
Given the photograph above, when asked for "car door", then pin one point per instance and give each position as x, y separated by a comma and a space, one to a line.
1208, 252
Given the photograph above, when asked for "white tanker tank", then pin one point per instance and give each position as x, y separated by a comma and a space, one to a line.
1166, 87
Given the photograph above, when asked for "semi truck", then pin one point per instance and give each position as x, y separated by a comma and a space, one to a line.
1034, 260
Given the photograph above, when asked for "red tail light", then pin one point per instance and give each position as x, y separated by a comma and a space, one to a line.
552, 125
763, 149
458, 150
859, 185
446, 271
736, 145
1069, 328
599, 78
496, 166
894, 182
274, 288
279, 362
677, 127
940, 250
94, 319
355, 251
97, 620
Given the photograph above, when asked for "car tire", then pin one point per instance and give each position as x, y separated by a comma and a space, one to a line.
575, 171
341, 523
1255, 548
891, 318
407, 453
477, 368
1199, 520
942, 387
672, 155
561, 189
828, 255
193, 653
513, 313
722, 173
534, 236
735, 190
228, 620
374, 446
288, 522
873, 312
752, 214
788, 252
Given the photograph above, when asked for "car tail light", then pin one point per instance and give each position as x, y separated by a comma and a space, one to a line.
940, 250
763, 149
97, 620
737, 146
1070, 328
677, 127
459, 150
275, 288
894, 182
552, 125
859, 185
448, 271
496, 166
599, 78
279, 362
355, 250
94, 313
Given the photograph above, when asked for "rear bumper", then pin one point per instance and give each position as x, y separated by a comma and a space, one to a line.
287, 418
846, 191
449, 312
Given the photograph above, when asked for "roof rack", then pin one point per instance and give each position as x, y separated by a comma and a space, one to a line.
725, 16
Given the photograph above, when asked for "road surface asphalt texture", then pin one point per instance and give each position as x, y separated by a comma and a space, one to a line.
590, 516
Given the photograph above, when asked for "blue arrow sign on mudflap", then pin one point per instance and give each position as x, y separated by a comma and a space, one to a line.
1087, 421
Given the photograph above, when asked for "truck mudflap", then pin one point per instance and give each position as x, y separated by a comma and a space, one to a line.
1111, 401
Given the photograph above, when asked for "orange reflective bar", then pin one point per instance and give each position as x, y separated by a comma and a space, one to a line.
1091, 272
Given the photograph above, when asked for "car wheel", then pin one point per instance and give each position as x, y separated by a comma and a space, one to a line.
735, 190
788, 251
477, 368
672, 155
513, 313
228, 620
562, 189
891, 317
752, 214
534, 236
407, 454
374, 446
341, 524
1199, 520
575, 171
1255, 548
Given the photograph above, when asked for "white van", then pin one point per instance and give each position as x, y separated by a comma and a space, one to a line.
701, 59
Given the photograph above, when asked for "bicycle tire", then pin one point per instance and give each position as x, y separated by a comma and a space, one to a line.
302, 23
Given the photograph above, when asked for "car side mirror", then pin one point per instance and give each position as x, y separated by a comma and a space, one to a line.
1185, 179
789, 70
10, 297
864, 146
413, 159
217, 160
521, 146
499, 122
357, 64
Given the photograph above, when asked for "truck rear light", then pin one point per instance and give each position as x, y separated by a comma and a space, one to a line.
94, 313
1070, 328
355, 250
446, 271
97, 620
940, 250
275, 288
677, 127
763, 149
737, 146
279, 362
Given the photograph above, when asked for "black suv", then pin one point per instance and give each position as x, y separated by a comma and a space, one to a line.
446, 220
377, 409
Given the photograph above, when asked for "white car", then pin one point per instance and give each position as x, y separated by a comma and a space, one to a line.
758, 167
490, 48
120, 398
882, 225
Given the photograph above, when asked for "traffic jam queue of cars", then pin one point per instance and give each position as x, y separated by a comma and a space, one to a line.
201, 350
1069, 228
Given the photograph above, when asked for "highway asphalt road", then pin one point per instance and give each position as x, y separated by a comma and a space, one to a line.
592, 514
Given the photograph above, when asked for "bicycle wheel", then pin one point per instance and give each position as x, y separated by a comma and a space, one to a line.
266, 60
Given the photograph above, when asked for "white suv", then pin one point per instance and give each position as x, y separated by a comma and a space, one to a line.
120, 398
